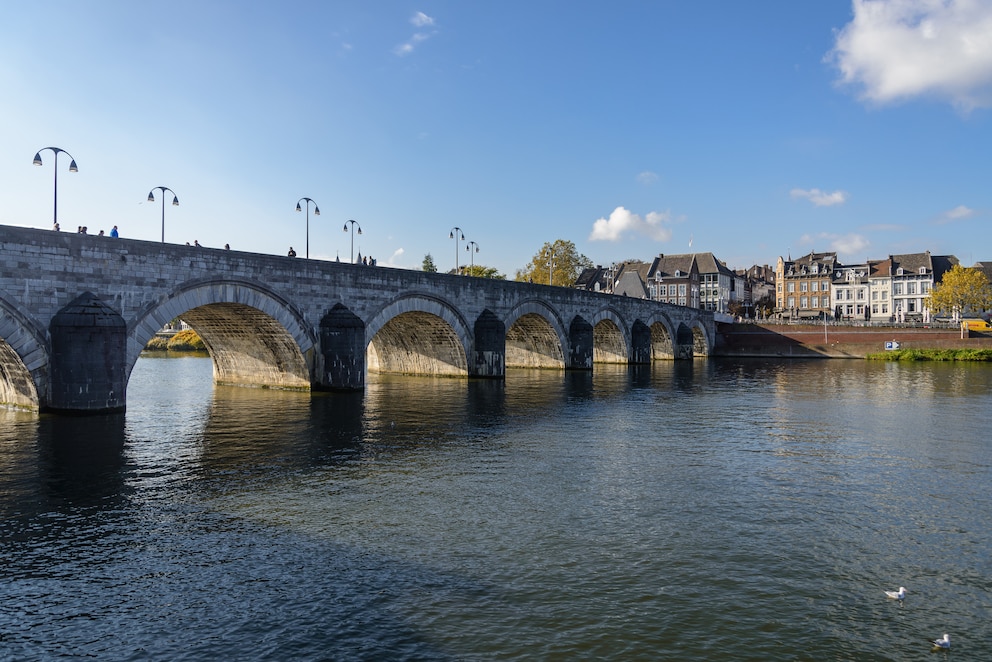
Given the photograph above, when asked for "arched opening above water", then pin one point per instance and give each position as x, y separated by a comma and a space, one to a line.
249, 348
531, 342
608, 343
417, 343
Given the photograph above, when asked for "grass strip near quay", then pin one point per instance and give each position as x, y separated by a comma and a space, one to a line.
932, 355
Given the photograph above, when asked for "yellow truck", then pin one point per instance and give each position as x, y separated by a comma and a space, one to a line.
975, 325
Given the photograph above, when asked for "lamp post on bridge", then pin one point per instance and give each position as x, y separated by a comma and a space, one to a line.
551, 265
175, 203
72, 168
456, 234
316, 212
353, 232
472, 249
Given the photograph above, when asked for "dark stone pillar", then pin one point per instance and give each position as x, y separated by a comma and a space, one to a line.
580, 344
490, 347
640, 340
682, 347
342, 344
89, 349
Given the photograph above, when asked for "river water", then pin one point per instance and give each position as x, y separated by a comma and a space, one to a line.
718, 510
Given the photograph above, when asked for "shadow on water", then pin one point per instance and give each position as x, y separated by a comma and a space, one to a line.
60, 463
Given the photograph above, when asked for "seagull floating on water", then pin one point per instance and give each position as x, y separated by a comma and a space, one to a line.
943, 642
897, 595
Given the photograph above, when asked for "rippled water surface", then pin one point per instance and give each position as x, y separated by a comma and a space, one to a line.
707, 510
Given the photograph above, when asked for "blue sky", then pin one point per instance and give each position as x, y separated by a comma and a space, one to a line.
750, 129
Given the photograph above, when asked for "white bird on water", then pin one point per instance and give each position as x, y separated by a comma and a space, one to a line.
943, 642
897, 595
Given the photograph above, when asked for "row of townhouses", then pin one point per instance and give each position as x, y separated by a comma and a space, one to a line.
813, 286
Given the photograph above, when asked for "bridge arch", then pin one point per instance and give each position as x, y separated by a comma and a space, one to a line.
663, 337
24, 358
255, 337
611, 338
418, 334
535, 336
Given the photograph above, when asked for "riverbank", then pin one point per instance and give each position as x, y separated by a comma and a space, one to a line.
835, 341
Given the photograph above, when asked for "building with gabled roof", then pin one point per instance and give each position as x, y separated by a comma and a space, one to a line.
674, 279
802, 286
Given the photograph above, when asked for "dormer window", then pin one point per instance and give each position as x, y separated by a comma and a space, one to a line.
678, 273
923, 271
816, 268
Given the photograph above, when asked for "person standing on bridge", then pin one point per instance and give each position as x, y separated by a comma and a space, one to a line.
113, 232
291, 252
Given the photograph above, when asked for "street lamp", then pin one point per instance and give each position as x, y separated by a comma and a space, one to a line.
175, 203
456, 234
551, 265
353, 233
469, 246
72, 168
316, 212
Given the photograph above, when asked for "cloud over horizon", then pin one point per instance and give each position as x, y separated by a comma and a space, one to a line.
820, 198
851, 245
623, 221
958, 213
894, 50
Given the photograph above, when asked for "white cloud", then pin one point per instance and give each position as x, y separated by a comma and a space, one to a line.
623, 221
955, 214
851, 245
647, 178
397, 254
419, 20
899, 49
820, 198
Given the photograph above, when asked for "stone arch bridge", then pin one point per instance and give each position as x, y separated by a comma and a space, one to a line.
77, 310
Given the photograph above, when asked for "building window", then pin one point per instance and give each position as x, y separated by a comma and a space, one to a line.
803, 302
672, 289
792, 287
814, 286
814, 302
897, 289
792, 302
924, 288
910, 288
682, 290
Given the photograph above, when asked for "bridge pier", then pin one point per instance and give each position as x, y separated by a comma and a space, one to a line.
581, 336
88, 375
342, 344
490, 347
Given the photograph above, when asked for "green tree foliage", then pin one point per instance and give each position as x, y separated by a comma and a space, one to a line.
568, 263
480, 271
186, 341
961, 291
429, 265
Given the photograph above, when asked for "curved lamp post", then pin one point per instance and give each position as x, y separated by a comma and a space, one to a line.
472, 249
456, 234
72, 168
316, 212
353, 232
175, 203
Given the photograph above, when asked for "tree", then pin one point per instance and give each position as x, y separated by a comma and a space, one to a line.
568, 263
480, 271
429, 265
959, 291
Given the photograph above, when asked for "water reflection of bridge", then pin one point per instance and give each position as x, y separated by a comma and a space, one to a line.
76, 311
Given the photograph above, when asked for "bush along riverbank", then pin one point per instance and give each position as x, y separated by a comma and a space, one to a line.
932, 355
184, 341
